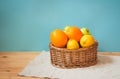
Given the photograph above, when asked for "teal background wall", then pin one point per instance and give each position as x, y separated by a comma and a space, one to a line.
25, 25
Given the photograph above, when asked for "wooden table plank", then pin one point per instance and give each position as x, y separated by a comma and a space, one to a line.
11, 63
110, 53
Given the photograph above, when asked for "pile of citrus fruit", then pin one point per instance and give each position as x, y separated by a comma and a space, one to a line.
72, 37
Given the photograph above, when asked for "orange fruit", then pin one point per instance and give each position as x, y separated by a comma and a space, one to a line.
87, 40
58, 38
73, 32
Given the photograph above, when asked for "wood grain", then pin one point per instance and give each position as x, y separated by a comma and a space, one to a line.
11, 63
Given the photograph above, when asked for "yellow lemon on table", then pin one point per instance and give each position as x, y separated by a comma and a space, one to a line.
87, 40
72, 44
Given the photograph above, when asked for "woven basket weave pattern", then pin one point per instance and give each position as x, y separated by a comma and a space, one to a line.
65, 58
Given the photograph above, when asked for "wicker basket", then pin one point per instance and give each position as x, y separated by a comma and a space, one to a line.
65, 58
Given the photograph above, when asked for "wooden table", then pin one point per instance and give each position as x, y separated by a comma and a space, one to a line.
11, 63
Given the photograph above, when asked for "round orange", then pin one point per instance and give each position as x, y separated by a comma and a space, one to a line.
58, 38
73, 32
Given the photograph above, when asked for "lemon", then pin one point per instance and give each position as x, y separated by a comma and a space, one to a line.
72, 44
66, 28
87, 40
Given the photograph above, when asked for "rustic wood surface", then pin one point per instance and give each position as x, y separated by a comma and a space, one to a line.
11, 63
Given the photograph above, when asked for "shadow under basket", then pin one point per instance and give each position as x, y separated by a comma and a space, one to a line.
77, 58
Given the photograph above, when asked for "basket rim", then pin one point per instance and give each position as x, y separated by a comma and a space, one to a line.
85, 48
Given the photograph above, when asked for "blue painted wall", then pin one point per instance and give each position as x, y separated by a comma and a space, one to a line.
25, 25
